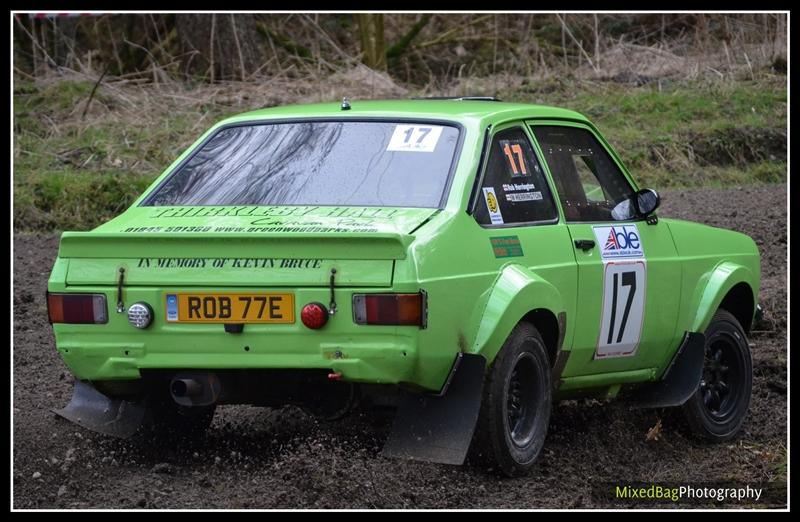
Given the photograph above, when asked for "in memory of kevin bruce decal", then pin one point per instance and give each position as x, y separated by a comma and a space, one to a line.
624, 283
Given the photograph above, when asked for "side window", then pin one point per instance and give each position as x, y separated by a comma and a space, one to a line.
514, 189
588, 182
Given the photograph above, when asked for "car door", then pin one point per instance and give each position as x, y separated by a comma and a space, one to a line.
516, 207
628, 274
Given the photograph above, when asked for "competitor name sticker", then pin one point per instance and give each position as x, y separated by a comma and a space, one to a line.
511, 187
414, 138
524, 196
619, 241
493, 205
506, 246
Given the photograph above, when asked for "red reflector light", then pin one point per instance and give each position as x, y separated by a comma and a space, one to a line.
314, 315
77, 308
389, 309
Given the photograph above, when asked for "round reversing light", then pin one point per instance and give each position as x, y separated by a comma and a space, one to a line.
140, 315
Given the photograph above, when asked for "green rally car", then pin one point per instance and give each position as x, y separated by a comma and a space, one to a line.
465, 261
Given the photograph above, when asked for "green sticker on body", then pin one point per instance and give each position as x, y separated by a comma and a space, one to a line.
506, 246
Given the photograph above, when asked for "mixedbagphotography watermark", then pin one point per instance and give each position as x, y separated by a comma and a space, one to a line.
717, 494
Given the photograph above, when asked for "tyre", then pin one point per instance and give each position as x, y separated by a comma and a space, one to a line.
516, 403
717, 410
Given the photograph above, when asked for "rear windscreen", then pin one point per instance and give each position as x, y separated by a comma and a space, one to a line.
316, 163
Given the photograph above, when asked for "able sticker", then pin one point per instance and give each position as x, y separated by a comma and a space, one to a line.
493, 205
506, 246
619, 241
415, 138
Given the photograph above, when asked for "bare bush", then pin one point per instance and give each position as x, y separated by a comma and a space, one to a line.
431, 51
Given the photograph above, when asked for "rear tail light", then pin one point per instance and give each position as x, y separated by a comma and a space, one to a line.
314, 315
390, 309
77, 308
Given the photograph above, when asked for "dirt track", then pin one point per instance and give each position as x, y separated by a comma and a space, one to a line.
285, 459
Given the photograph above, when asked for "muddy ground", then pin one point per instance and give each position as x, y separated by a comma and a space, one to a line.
284, 459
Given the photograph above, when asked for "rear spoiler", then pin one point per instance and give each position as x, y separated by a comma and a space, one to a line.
343, 245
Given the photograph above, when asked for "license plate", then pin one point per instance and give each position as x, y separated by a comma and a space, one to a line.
188, 307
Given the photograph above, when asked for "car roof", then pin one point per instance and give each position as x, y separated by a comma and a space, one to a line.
458, 110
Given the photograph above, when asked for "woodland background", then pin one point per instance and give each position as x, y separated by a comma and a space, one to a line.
103, 103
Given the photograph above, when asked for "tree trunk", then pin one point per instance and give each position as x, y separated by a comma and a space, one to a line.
220, 46
373, 46
65, 30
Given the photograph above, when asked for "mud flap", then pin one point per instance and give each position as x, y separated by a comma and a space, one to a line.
681, 379
438, 428
97, 412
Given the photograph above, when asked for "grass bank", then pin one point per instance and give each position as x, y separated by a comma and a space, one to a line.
77, 164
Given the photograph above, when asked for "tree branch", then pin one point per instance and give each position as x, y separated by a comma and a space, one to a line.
402, 44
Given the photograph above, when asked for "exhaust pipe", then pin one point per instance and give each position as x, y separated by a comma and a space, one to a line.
195, 388
186, 388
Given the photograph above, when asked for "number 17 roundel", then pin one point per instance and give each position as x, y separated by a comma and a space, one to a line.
623, 308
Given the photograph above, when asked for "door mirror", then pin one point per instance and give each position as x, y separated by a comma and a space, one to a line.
644, 203
647, 201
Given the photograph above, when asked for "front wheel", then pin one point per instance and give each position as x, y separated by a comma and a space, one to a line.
515, 409
717, 409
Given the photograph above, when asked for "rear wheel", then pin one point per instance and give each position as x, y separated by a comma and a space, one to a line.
515, 409
717, 409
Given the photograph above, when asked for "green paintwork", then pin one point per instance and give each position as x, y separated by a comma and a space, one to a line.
475, 296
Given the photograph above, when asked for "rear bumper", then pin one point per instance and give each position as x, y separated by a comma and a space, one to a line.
378, 358
361, 353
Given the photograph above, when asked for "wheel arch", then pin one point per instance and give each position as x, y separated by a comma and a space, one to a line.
730, 286
521, 295
739, 301
546, 322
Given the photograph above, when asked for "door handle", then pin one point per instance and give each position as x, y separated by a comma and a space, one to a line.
584, 244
